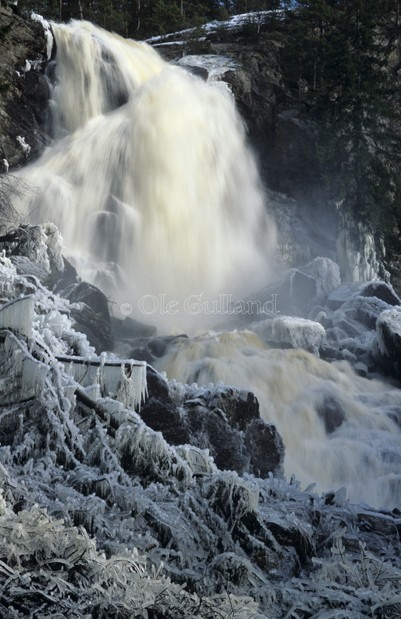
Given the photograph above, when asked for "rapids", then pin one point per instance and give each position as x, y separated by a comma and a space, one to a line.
296, 391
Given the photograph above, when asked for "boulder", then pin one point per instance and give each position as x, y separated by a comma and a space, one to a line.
331, 412
224, 420
90, 312
291, 332
368, 309
388, 354
266, 448
377, 289
381, 290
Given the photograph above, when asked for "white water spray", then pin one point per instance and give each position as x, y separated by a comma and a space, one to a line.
362, 449
150, 180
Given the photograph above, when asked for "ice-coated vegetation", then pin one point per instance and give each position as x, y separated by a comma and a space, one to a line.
101, 517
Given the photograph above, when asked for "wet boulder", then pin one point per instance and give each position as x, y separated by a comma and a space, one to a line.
224, 420
292, 332
331, 412
90, 312
388, 353
377, 288
266, 449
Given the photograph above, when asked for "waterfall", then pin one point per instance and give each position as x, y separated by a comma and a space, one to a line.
157, 195
149, 178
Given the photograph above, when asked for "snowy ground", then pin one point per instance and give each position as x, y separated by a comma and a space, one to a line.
237, 22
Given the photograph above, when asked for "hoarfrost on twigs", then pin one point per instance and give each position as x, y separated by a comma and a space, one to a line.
100, 516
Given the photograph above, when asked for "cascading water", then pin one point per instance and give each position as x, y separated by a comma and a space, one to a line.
150, 180
299, 392
157, 196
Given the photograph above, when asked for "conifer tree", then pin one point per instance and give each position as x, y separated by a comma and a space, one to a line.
337, 54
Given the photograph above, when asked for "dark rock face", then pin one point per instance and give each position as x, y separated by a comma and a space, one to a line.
90, 312
24, 90
388, 354
266, 448
225, 421
161, 413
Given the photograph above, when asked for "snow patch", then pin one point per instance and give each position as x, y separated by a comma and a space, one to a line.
215, 65
47, 32
294, 331
26, 149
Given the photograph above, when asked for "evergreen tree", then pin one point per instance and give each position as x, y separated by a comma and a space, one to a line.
337, 55
363, 111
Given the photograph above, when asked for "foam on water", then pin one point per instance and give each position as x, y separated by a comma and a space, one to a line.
359, 445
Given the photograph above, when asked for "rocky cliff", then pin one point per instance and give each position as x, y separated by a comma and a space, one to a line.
24, 89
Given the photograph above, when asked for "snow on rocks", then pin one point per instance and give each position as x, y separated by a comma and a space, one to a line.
214, 66
101, 516
388, 353
298, 332
377, 288
47, 32
26, 148
292, 332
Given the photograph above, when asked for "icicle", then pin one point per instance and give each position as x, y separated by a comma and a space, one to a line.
18, 315
123, 380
